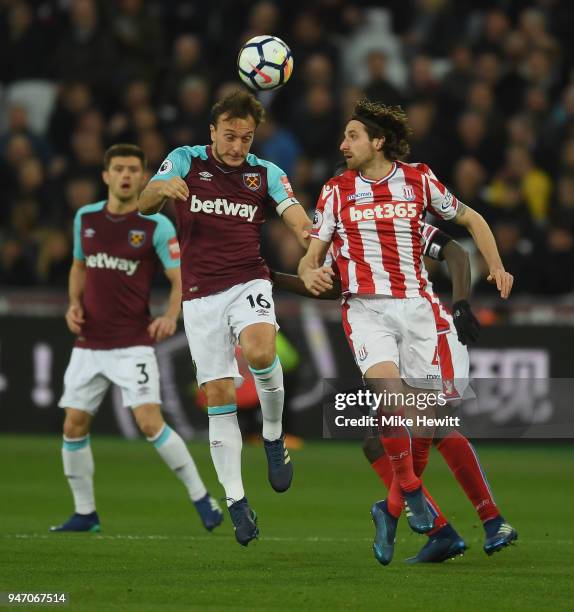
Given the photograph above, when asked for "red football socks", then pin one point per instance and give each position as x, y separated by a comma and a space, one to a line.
398, 449
463, 463
382, 467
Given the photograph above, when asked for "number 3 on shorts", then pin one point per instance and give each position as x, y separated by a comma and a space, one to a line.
144, 376
258, 301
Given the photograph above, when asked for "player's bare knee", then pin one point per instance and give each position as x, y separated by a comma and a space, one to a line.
76, 424
219, 393
261, 357
149, 420
373, 449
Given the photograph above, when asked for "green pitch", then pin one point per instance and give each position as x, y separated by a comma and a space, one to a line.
315, 546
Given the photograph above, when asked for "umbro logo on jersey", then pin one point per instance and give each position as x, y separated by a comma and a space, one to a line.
109, 262
205, 176
221, 206
89, 232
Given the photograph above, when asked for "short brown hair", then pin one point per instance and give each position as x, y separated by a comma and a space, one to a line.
239, 104
123, 150
389, 122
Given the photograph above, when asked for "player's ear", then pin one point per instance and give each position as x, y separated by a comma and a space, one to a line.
212, 132
106, 177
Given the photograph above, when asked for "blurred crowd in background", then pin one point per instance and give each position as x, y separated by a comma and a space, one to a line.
488, 88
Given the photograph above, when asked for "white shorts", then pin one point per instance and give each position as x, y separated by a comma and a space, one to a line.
454, 364
213, 324
403, 331
90, 373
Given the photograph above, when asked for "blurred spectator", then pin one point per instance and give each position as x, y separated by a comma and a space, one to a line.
554, 273
374, 33
495, 28
22, 44
454, 86
187, 61
378, 86
515, 251
424, 145
86, 50
54, 260
74, 100
533, 183
138, 38
278, 145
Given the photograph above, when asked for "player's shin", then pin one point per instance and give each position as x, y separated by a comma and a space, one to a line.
79, 470
225, 444
463, 461
173, 450
269, 384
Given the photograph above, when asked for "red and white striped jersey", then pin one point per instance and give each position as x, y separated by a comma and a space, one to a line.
376, 227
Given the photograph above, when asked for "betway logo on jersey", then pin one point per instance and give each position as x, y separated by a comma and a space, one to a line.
109, 262
221, 206
402, 210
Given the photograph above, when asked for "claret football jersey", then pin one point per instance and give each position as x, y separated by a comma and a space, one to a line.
219, 226
121, 253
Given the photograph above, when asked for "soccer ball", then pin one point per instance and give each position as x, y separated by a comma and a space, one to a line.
265, 62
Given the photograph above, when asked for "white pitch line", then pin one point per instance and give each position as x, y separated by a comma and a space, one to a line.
53, 536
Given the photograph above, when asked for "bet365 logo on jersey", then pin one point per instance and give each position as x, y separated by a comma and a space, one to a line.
390, 210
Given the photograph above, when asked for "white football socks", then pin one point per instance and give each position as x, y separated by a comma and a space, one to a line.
173, 450
269, 384
79, 470
225, 444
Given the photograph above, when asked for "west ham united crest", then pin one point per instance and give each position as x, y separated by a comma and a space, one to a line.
252, 180
136, 238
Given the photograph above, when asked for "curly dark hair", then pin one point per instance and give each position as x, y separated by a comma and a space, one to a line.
389, 122
239, 104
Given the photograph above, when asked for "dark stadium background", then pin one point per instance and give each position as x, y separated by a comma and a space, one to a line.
488, 87
489, 90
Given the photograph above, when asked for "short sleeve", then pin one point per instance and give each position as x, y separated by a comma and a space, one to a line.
177, 163
165, 243
324, 221
441, 200
279, 188
78, 250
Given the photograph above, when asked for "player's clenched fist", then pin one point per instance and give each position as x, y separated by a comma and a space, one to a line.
503, 281
318, 280
161, 328
75, 318
175, 188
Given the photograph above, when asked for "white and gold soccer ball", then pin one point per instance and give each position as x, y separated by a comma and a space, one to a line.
265, 62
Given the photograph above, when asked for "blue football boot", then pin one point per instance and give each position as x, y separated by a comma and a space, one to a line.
80, 522
499, 535
244, 521
279, 466
418, 511
385, 532
444, 544
209, 512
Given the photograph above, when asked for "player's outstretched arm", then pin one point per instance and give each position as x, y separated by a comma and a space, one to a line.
163, 327
299, 223
293, 284
154, 196
316, 277
458, 263
76, 282
484, 239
